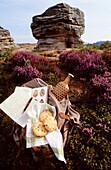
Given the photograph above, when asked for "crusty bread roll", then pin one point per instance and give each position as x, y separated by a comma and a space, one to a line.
39, 130
43, 115
50, 123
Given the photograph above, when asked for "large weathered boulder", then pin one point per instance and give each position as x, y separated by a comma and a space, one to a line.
6, 41
59, 27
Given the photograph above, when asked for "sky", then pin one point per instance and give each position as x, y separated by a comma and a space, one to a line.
16, 16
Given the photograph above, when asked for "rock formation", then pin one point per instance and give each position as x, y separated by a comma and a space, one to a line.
59, 27
6, 41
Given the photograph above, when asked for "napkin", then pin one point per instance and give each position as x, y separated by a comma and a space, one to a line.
54, 139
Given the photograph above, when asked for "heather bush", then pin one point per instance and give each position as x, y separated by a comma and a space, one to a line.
83, 63
23, 58
106, 55
90, 145
27, 66
94, 68
102, 87
26, 73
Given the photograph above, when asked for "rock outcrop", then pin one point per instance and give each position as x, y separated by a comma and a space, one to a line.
59, 27
6, 41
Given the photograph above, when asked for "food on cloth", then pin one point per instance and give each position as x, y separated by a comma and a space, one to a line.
50, 123
47, 123
42, 92
35, 94
39, 130
43, 115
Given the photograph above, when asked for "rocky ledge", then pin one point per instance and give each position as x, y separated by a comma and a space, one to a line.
59, 27
6, 41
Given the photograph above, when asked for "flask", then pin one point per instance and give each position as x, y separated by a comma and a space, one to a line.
62, 88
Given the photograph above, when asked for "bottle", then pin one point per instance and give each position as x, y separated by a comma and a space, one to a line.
62, 88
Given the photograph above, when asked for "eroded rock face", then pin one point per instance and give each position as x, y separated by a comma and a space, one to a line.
6, 41
59, 27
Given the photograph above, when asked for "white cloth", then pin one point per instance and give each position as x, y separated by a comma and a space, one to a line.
15, 104
54, 139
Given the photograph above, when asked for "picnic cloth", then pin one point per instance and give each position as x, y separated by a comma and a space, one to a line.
56, 142
54, 139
